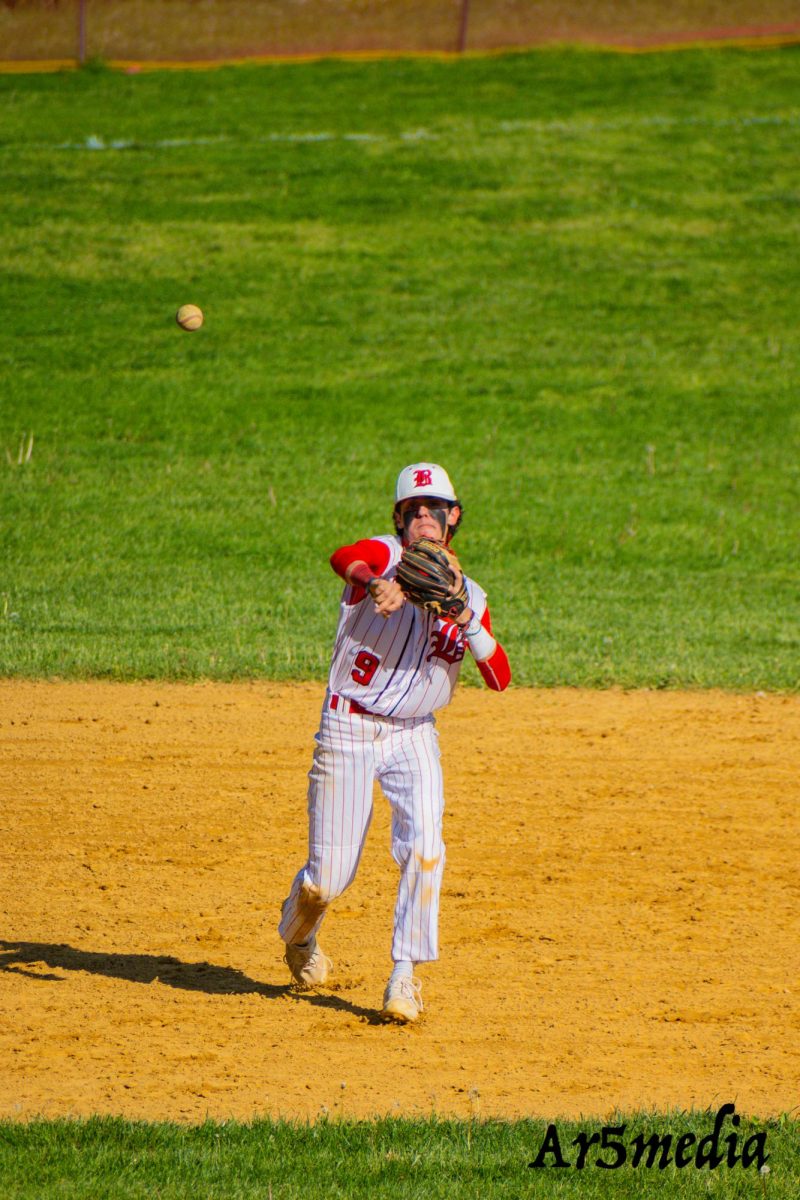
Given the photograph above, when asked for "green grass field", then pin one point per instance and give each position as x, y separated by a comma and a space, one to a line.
570, 276
391, 1159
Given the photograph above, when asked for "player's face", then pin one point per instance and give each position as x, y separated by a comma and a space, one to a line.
427, 516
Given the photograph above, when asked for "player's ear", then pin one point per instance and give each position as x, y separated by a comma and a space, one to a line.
454, 515
398, 520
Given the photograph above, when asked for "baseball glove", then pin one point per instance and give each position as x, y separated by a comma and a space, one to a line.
427, 573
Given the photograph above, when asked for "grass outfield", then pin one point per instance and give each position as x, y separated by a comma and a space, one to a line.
572, 277
387, 1158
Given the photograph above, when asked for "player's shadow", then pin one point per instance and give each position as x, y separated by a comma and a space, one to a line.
160, 968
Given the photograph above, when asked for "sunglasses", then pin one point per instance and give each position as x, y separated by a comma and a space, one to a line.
432, 503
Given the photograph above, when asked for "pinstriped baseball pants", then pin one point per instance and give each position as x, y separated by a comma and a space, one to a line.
352, 750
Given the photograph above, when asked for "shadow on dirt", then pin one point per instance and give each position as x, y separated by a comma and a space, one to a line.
161, 968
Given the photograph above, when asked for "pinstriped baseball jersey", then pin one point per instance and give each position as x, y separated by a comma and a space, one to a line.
406, 665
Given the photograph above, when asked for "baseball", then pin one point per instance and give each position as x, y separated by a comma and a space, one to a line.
189, 316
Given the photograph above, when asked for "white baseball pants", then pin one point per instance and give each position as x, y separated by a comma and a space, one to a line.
352, 750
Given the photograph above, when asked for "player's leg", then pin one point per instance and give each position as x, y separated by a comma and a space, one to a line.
411, 776
339, 813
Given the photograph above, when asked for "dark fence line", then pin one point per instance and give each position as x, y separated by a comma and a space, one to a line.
214, 30
460, 43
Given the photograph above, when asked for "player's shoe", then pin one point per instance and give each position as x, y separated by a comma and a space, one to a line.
308, 965
402, 1000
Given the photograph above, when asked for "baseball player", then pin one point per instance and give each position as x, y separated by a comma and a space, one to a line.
394, 664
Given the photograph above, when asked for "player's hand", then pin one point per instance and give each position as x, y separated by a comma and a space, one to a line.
388, 596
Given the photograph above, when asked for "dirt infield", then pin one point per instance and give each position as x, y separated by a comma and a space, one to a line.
619, 925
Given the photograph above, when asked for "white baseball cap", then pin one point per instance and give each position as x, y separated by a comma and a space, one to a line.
424, 479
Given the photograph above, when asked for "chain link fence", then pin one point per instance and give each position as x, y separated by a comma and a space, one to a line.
196, 30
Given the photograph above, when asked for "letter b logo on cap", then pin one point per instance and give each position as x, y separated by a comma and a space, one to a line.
424, 479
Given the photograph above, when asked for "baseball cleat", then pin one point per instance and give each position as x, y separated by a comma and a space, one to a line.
308, 965
402, 1000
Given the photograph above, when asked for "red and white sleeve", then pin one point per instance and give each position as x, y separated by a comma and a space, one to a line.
370, 551
496, 670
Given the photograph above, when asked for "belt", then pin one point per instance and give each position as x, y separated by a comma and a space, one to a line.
337, 703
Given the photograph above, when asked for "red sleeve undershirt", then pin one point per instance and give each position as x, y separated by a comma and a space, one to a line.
496, 671
375, 554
